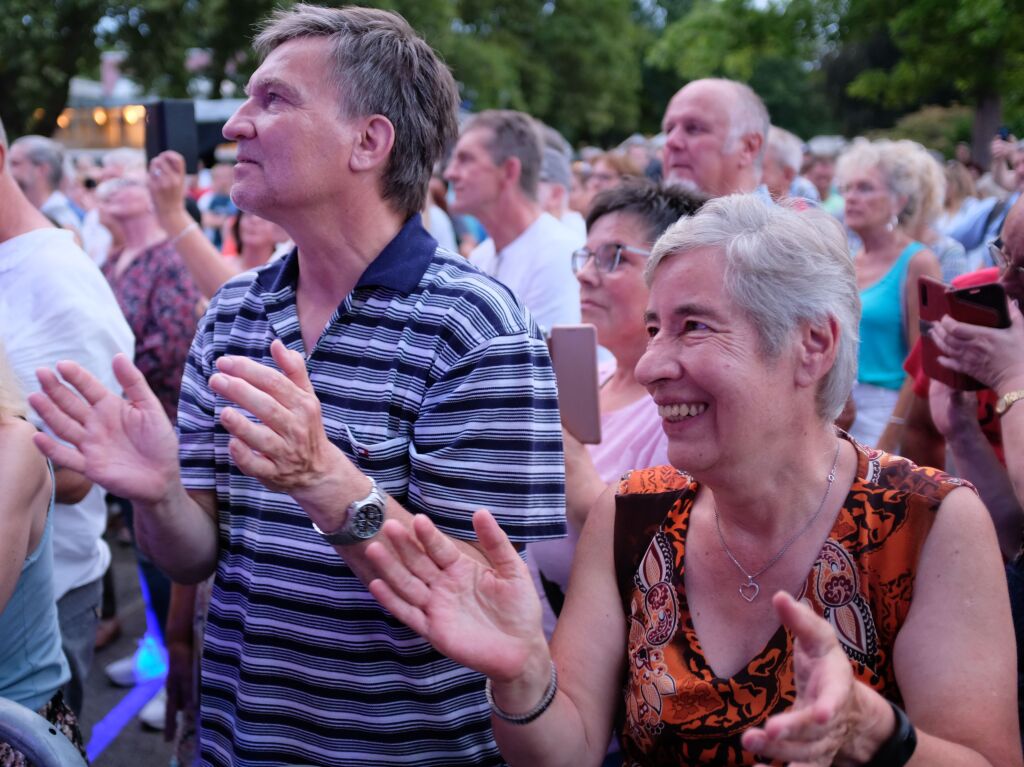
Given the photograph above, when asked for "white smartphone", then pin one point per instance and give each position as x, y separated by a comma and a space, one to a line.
574, 358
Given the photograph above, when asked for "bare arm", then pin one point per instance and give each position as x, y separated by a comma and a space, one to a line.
1002, 153
71, 486
23, 502
488, 618
975, 460
129, 447
576, 728
923, 263
960, 574
958, 626
1012, 423
995, 356
583, 485
922, 442
208, 268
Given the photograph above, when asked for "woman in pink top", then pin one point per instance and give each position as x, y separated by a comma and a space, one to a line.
622, 225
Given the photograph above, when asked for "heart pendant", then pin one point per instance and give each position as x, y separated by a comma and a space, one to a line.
749, 591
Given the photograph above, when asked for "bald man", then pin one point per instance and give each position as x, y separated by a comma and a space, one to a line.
715, 138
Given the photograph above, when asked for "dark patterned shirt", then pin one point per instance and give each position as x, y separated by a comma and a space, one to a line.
677, 711
158, 298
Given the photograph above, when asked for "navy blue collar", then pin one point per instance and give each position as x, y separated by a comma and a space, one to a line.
400, 266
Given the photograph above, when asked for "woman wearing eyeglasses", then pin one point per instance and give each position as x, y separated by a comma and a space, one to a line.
622, 225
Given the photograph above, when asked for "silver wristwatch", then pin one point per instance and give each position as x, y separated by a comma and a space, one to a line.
363, 520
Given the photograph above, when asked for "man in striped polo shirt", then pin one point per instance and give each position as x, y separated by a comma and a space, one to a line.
367, 376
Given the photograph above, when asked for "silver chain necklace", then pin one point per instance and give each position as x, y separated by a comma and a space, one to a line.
751, 589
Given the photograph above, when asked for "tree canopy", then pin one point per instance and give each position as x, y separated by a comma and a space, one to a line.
597, 70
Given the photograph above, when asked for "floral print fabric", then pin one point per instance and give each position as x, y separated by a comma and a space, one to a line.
677, 712
158, 298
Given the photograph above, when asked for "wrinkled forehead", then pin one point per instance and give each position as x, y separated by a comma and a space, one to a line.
704, 100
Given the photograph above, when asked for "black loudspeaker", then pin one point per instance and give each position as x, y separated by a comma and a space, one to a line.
171, 124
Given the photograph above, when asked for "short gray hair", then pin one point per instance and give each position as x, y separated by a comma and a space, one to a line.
783, 267
896, 165
512, 134
381, 66
46, 152
3, 134
787, 147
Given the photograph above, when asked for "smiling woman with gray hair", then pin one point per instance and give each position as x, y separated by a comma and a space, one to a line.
779, 592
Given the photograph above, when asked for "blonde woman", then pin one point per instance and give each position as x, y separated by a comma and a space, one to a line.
924, 207
880, 190
32, 666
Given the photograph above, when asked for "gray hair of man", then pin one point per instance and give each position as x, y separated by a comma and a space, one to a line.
896, 165
3, 135
381, 66
747, 114
42, 151
787, 148
783, 268
512, 134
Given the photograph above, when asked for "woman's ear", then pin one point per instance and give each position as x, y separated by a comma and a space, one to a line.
818, 347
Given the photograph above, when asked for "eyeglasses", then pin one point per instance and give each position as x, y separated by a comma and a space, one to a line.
1002, 259
606, 258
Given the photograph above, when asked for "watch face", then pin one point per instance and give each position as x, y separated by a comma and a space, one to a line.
368, 520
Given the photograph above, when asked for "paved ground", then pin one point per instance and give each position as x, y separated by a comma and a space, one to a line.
115, 737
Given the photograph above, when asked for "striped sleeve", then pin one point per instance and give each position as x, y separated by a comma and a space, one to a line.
488, 435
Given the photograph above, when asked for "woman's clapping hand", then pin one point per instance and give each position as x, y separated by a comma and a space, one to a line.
486, 618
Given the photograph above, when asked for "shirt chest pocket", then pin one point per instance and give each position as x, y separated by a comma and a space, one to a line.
387, 460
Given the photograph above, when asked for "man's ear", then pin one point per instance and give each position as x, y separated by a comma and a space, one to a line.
511, 170
373, 146
817, 350
750, 146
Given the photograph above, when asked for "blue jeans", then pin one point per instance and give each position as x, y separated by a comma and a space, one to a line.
78, 613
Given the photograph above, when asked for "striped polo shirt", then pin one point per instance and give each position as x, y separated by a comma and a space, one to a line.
437, 384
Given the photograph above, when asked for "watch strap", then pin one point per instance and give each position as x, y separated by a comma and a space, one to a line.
897, 750
363, 519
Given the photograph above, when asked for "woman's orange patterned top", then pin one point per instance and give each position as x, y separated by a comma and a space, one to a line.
677, 712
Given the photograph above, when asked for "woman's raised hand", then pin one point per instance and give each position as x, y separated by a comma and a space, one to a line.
835, 719
486, 618
126, 445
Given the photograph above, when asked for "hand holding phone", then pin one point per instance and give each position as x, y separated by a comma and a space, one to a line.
171, 124
983, 305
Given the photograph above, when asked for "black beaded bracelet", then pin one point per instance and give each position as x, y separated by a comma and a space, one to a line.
533, 713
898, 749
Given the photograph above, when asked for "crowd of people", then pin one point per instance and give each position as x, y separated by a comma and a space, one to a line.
315, 383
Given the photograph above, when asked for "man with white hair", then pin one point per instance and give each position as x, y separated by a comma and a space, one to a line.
55, 305
782, 160
37, 164
716, 132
